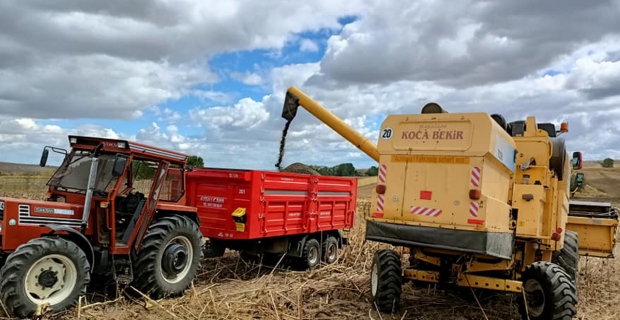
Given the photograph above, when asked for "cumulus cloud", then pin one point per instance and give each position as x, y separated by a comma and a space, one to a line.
116, 59
465, 43
112, 59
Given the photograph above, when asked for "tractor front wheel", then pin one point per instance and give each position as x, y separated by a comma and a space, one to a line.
168, 259
549, 293
51, 272
386, 280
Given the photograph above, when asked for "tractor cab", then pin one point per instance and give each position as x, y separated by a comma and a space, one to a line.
116, 181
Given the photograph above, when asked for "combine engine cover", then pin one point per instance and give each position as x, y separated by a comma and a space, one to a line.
444, 182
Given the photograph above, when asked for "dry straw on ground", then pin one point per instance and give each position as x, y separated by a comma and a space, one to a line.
230, 288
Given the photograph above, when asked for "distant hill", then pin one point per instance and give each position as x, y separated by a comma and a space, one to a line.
14, 168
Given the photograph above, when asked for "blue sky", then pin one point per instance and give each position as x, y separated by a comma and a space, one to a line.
222, 71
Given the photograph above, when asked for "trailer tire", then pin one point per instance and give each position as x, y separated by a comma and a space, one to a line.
330, 250
568, 257
311, 256
386, 280
36, 264
159, 255
549, 292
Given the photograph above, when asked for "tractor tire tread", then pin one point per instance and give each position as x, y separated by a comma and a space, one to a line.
145, 279
18, 263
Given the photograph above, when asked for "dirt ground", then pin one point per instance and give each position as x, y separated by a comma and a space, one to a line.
230, 288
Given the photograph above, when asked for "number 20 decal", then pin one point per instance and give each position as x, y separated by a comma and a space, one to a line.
387, 133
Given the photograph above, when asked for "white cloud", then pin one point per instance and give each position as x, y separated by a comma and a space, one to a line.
251, 79
116, 60
307, 45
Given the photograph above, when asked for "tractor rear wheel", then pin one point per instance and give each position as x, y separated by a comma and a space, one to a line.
51, 271
549, 293
330, 250
386, 280
168, 259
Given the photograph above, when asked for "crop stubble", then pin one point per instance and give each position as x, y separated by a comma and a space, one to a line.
230, 288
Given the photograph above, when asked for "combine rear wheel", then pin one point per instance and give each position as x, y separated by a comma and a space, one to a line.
169, 257
44, 271
568, 257
549, 292
386, 280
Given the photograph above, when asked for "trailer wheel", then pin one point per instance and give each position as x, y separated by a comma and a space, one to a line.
330, 250
42, 271
169, 257
549, 291
568, 257
386, 280
312, 253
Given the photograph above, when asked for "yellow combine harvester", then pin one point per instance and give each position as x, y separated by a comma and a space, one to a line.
479, 202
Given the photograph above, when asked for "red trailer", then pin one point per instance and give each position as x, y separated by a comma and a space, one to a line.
264, 212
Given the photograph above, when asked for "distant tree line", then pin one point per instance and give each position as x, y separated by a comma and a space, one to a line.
344, 170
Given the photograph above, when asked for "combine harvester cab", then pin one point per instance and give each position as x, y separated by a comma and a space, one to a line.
264, 213
478, 202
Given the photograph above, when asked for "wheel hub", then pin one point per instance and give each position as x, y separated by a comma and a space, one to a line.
535, 297
174, 259
48, 278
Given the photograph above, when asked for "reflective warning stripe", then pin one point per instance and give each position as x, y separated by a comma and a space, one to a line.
476, 173
429, 212
473, 208
382, 173
380, 202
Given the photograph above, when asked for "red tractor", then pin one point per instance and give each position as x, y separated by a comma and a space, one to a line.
114, 209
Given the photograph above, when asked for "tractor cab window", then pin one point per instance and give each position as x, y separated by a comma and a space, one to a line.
142, 176
73, 174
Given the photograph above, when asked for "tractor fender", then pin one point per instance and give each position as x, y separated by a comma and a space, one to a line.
78, 238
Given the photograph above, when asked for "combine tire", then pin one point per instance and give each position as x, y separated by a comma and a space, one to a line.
549, 291
386, 280
169, 256
330, 250
312, 253
51, 271
568, 257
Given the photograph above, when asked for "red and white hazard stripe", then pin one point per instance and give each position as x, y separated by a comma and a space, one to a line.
429, 212
476, 173
473, 208
382, 173
380, 202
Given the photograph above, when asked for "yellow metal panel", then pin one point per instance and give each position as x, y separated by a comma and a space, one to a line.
473, 281
529, 222
597, 236
420, 275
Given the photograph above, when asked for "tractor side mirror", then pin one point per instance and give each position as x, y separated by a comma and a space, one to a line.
119, 165
577, 160
44, 156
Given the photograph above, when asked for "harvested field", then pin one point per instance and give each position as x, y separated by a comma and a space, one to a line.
230, 288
